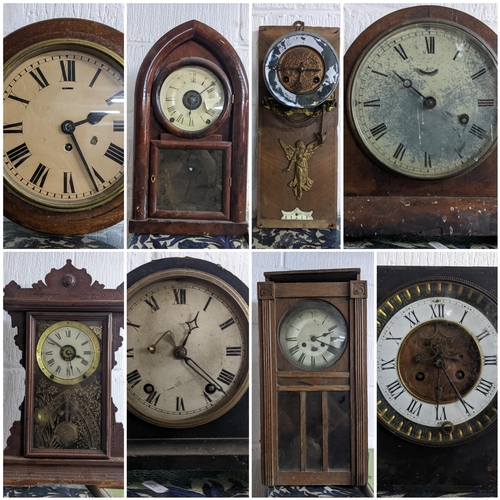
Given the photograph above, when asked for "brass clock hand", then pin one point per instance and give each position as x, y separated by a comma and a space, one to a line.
152, 347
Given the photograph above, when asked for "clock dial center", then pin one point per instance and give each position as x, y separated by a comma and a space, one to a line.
192, 100
68, 353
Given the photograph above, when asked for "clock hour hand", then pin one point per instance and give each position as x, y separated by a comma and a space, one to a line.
429, 102
192, 325
94, 117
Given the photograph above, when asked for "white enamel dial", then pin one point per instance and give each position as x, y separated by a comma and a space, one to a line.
313, 335
423, 100
437, 363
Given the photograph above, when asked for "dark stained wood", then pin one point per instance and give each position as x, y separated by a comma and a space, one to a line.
191, 39
378, 203
273, 193
36, 218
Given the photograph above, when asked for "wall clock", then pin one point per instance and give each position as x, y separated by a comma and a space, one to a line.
64, 126
187, 318
421, 104
68, 329
312, 347
437, 379
297, 143
190, 157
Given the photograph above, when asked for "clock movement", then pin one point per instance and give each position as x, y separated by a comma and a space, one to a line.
297, 141
68, 330
437, 365
190, 156
63, 127
421, 108
312, 349
187, 366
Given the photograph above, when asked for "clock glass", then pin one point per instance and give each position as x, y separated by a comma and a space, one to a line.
313, 335
64, 125
437, 362
422, 100
187, 348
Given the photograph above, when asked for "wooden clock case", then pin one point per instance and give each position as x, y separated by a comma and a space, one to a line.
67, 293
218, 445
273, 193
406, 467
191, 39
344, 289
378, 203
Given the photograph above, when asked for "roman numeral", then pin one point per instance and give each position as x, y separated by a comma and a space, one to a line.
19, 99
68, 71
208, 303
443, 413
130, 352
13, 128
293, 349
68, 332
463, 317
414, 407
115, 153
390, 336
99, 178
39, 78
133, 325
427, 160
485, 102
233, 351
484, 386
58, 370
332, 328
227, 324
478, 132
118, 125
399, 153
179, 404
21, 153
87, 353
58, 335
372, 104
180, 296
388, 365
478, 74
40, 175
115, 99
379, 131
490, 360
153, 396
430, 44
180, 118
396, 389
50, 362
483, 334
437, 311
225, 377
68, 185
334, 350
412, 318
399, 49
207, 397
301, 358
97, 73
151, 302
85, 362
133, 378
313, 362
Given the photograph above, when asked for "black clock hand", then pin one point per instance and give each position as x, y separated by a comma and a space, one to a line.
192, 325
438, 391
202, 373
439, 363
429, 102
94, 117
55, 343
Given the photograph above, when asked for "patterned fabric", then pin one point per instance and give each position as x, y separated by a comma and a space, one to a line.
49, 491
430, 494
192, 484
162, 242
314, 491
458, 242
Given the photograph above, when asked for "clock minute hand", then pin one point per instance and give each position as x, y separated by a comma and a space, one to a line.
202, 373
441, 366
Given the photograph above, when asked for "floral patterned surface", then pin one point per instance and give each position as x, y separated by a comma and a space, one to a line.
314, 491
162, 242
48, 491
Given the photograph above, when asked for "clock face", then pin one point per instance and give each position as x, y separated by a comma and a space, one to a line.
68, 352
301, 70
313, 335
192, 98
422, 100
64, 126
437, 362
187, 348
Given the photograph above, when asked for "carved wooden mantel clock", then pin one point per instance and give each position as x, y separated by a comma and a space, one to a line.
421, 126
312, 347
297, 141
68, 330
190, 146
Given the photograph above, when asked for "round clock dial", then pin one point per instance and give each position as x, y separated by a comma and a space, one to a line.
422, 100
437, 362
187, 348
301, 70
68, 352
193, 97
313, 335
63, 125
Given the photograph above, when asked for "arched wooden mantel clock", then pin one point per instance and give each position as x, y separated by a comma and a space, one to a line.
63, 130
312, 349
68, 330
420, 154
297, 128
190, 138
437, 376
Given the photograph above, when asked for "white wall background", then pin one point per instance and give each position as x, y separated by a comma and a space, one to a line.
26, 268
147, 23
438, 258
285, 14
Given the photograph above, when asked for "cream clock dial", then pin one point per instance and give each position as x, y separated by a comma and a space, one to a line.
187, 348
68, 352
64, 126
422, 100
313, 335
437, 362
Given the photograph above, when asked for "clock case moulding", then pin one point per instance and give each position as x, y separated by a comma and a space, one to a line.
273, 193
68, 292
344, 289
406, 467
34, 217
378, 203
221, 444
196, 40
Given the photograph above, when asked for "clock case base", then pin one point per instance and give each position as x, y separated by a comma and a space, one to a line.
405, 467
379, 203
189, 227
274, 195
